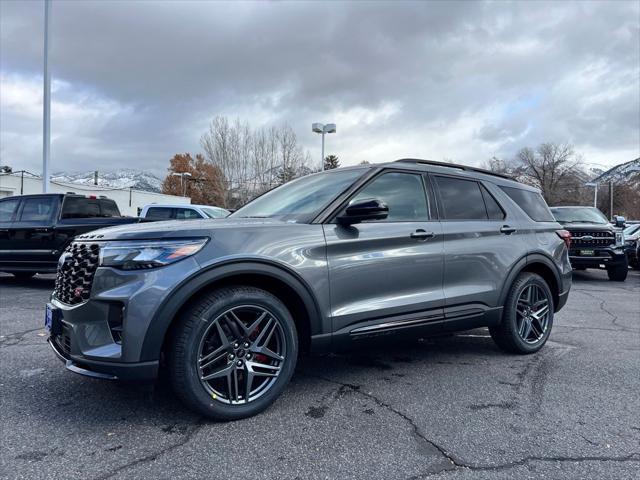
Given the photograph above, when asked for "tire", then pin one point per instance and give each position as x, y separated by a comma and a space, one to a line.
198, 340
509, 334
618, 273
23, 276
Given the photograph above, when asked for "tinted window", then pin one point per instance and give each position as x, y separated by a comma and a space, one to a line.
80, 207
36, 209
302, 199
494, 211
531, 202
461, 199
186, 214
7, 207
402, 192
155, 213
109, 208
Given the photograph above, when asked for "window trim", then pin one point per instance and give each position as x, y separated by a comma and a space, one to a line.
483, 188
351, 193
441, 209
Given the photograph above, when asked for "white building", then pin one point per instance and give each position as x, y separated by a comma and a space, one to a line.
129, 200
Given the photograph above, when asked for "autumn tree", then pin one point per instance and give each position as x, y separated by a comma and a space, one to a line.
331, 162
205, 184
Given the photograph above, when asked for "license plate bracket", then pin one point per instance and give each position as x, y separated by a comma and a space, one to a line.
53, 319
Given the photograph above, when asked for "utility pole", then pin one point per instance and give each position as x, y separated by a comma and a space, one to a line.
611, 199
46, 109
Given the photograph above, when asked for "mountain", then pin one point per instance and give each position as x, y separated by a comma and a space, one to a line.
121, 178
620, 173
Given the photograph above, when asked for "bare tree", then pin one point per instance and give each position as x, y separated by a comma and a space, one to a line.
252, 161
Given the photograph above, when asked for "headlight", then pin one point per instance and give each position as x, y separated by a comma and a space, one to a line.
619, 239
143, 254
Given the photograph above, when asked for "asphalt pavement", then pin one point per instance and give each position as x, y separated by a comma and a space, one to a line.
451, 407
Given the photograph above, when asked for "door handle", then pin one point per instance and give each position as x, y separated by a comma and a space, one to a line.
507, 230
422, 235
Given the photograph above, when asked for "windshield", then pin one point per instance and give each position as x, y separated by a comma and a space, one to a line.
302, 199
579, 215
215, 212
631, 229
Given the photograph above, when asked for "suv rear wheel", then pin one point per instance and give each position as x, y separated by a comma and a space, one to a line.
619, 272
233, 353
527, 317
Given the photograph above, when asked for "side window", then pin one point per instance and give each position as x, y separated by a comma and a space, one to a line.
461, 199
403, 193
494, 211
109, 208
155, 213
186, 214
36, 209
7, 208
531, 202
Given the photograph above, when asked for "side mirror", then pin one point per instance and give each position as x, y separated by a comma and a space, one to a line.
366, 209
619, 221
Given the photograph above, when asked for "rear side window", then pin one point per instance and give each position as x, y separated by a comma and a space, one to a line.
494, 211
109, 208
186, 214
80, 207
531, 202
461, 199
7, 207
156, 213
36, 209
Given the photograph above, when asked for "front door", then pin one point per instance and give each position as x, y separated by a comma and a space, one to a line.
386, 275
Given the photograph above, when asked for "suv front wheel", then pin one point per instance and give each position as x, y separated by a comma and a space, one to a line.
233, 352
527, 317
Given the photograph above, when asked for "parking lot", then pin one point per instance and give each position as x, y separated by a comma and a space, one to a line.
449, 407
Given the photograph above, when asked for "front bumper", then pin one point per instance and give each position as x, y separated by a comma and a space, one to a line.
602, 258
104, 336
142, 371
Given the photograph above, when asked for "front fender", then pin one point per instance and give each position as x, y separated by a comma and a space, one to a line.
180, 295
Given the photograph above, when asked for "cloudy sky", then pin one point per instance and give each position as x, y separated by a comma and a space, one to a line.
136, 82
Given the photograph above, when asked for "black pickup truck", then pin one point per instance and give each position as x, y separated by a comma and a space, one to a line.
595, 243
35, 229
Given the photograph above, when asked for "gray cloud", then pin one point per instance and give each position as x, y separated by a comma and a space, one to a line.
138, 81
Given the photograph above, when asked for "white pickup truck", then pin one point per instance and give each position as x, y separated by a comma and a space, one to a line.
181, 212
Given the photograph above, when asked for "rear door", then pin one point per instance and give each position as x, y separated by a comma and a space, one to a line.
481, 244
33, 231
386, 275
8, 210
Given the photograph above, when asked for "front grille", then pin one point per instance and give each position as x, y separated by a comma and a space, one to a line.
76, 269
591, 239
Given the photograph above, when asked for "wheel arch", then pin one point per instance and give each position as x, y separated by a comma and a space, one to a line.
539, 264
269, 276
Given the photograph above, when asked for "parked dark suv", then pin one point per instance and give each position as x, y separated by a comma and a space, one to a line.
409, 248
595, 243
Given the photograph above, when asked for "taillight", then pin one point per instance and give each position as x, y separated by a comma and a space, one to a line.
565, 236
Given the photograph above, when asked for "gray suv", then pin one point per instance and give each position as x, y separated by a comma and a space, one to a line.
224, 306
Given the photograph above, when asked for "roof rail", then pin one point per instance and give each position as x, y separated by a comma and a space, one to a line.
453, 165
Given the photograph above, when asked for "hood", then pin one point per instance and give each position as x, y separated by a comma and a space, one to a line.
588, 227
179, 228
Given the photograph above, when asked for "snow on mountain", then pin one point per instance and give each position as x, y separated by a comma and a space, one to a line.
121, 178
620, 173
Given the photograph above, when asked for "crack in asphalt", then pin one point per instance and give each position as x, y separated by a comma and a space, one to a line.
195, 428
614, 317
16, 338
633, 457
455, 463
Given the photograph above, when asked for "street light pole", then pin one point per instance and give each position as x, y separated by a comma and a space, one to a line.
323, 129
46, 109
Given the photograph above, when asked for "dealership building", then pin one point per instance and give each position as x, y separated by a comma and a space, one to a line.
129, 200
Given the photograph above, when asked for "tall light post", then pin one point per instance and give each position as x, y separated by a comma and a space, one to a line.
46, 101
182, 184
322, 129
